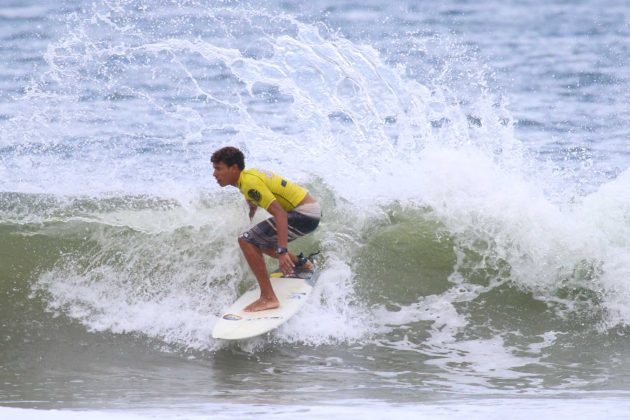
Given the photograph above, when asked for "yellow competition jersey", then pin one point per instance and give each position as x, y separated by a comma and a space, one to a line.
262, 187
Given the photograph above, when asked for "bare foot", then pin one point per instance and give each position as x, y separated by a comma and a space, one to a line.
262, 304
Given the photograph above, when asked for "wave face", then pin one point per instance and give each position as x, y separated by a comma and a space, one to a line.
448, 243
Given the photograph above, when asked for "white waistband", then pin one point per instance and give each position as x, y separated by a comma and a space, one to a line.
310, 210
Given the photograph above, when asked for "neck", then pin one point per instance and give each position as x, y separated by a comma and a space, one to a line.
238, 176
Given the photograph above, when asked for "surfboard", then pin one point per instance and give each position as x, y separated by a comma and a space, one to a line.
292, 291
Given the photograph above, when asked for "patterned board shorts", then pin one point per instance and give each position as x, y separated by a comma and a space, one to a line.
301, 222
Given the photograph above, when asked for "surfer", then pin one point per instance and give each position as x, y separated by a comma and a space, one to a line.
294, 213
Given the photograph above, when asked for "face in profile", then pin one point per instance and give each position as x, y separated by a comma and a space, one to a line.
225, 175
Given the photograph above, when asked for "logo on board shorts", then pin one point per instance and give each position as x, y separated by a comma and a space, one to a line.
254, 194
231, 317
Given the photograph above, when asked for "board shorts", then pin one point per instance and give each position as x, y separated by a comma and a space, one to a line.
302, 220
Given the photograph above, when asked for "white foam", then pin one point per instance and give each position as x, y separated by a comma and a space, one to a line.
580, 407
166, 285
332, 314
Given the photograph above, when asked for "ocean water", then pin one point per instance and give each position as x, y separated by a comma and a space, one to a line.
472, 163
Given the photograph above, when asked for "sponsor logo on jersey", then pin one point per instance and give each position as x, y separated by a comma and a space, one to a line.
254, 194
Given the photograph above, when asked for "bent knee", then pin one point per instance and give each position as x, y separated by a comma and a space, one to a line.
243, 242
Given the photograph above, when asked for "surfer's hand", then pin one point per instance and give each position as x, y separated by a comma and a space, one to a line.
286, 264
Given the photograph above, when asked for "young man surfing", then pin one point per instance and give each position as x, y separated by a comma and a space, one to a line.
294, 213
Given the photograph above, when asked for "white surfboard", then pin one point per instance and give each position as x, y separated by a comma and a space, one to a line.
292, 292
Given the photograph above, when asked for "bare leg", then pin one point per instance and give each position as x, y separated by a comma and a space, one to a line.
254, 257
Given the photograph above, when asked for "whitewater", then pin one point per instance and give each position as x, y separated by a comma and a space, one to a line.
471, 160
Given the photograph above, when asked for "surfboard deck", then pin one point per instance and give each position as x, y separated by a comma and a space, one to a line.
292, 291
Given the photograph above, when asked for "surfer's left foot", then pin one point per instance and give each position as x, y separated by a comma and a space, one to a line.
262, 304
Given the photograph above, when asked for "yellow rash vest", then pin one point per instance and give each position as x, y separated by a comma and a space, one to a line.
262, 188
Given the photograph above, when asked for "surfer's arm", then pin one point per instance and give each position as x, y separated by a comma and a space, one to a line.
252, 209
282, 226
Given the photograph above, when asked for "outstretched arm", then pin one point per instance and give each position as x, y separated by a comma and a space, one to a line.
282, 225
252, 209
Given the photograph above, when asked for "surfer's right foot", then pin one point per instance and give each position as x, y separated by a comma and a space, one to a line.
303, 264
262, 304
306, 266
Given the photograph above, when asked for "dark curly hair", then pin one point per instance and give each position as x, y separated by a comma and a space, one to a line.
230, 156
